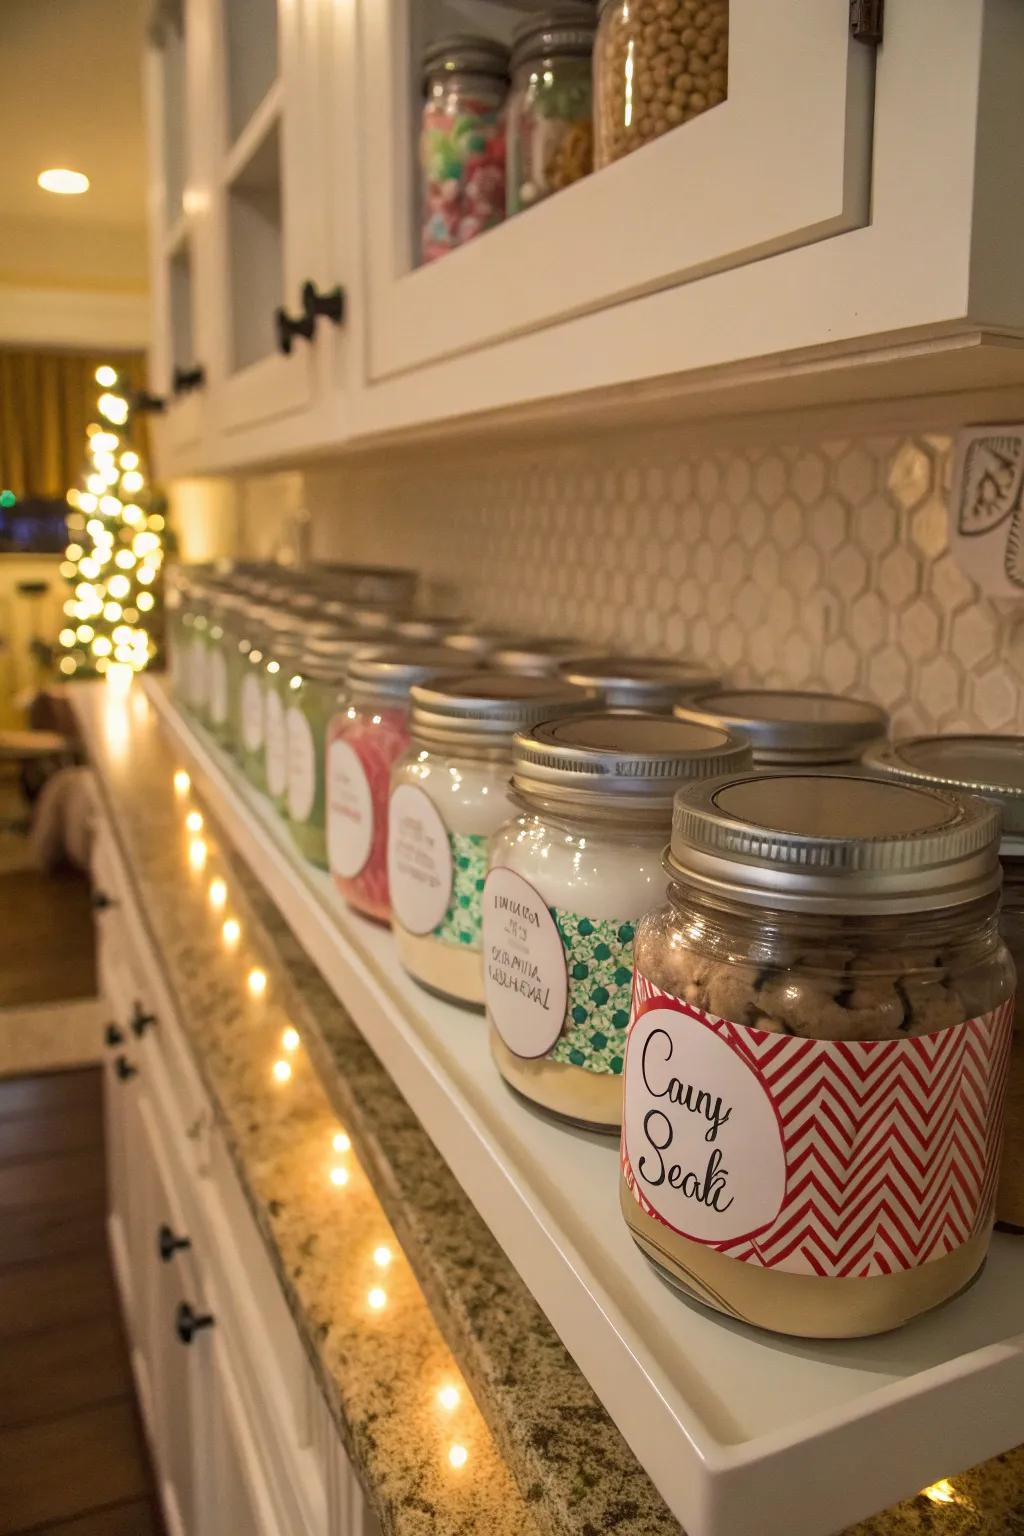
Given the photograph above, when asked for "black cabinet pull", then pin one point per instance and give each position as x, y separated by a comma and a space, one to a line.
124, 1069
101, 901
145, 403
185, 379
113, 1036
168, 1243
141, 1021
188, 1323
330, 303
289, 326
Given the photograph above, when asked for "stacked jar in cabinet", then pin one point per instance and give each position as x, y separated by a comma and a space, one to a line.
462, 142
550, 120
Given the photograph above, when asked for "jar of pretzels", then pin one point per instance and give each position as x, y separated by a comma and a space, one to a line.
657, 64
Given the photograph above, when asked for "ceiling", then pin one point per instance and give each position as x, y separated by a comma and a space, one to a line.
72, 97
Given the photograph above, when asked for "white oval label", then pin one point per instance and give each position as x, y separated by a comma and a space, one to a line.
274, 747
419, 860
349, 811
301, 765
252, 712
701, 1133
217, 685
526, 984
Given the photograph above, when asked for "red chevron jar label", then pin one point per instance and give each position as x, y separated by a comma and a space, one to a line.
816, 1157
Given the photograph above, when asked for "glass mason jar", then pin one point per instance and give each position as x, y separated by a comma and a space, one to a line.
225, 611
251, 723
364, 741
567, 881
241, 638
992, 767
315, 695
654, 684
477, 646
788, 729
179, 582
368, 586
462, 142
282, 649
657, 64
449, 793
431, 628
537, 658
823, 1006
550, 120
194, 622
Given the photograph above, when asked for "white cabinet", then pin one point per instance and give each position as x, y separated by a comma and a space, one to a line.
837, 228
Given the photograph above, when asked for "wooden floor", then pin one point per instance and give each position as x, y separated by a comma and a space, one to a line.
73, 1461
47, 949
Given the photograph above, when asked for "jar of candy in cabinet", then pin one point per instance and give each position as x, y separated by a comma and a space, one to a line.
462, 142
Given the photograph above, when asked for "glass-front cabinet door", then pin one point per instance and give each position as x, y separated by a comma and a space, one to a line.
502, 199
264, 191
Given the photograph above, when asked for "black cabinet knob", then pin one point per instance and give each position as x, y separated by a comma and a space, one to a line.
124, 1069
145, 403
101, 901
141, 1021
188, 1323
113, 1036
330, 303
289, 326
185, 379
168, 1243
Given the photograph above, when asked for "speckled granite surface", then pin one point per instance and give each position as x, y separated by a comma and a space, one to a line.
544, 1457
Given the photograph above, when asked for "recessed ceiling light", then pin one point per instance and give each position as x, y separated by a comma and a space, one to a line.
67, 183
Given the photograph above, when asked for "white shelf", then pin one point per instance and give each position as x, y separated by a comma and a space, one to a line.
744, 1434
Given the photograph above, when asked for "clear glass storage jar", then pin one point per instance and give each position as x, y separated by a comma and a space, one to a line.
225, 609
194, 622
550, 118
479, 645
432, 628
992, 767
537, 658
817, 1051
449, 793
282, 647
253, 659
384, 587
657, 64
567, 881
651, 683
314, 696
788, 728
462, 142
364, 741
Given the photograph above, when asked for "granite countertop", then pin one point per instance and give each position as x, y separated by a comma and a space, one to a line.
544, 1458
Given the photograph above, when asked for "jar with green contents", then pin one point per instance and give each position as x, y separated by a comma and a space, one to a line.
311, 705
449, 793
253, 658
225, 610
550, 129
567, 881
283, 647
242, 637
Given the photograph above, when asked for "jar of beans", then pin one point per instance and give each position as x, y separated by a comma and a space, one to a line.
657, 64
550, 129
462, 142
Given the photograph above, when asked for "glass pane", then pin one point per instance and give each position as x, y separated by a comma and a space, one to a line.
255, 253
172, 55
181, 309
251, 44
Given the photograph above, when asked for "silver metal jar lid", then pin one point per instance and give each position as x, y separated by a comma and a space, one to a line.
989, 766
367, 585
465, 53
563, 29
428, 626
651, 683
613, 757
392, 670
483, 642
327, 658
839, 843
485, 708
537, 656
786, 727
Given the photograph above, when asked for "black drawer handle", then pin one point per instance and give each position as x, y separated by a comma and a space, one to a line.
188, 1323
168, 1243
101, 901
186, 379
141, 1021
113, 1036
145, 403
330, 303
289, 326
124, 1069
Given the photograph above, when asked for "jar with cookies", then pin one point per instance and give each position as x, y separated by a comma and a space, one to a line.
550, 128
657, 65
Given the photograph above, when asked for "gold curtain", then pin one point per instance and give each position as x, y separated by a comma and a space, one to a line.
47, 399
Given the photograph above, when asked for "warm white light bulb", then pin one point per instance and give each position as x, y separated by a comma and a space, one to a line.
377, 1298
256, 981
197, 853
448, 1397
194, 821
65, 183
339, 1177
231, 932
218, 892
341, 1142
458, 1456
382, 1256
282, 1071
182, 782
290, 1039
105, 376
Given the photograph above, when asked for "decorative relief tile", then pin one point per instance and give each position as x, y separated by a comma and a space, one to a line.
821, 565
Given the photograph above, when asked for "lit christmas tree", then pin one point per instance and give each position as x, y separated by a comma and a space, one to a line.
116, 539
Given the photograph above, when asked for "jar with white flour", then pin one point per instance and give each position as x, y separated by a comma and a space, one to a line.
567, 881
449, 793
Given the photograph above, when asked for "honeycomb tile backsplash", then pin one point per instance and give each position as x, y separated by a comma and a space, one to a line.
821, 565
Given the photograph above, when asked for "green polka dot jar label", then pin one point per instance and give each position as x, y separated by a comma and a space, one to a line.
463, 920
599, 962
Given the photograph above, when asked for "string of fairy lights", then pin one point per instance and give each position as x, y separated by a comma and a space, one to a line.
447, 1395
115, 549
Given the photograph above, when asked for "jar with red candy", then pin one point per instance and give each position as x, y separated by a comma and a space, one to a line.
364, 741
462, 141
